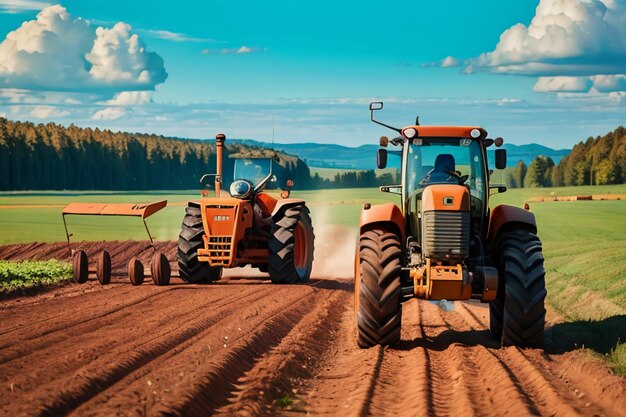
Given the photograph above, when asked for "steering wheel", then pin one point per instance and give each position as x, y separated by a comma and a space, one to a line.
460, 178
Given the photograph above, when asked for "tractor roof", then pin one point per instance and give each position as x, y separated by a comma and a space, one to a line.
446, 131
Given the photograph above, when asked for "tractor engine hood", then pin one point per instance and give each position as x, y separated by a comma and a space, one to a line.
445, 222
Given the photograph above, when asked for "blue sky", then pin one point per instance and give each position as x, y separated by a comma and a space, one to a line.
549, 72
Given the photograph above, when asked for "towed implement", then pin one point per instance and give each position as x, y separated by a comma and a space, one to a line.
159, 265
248, 226
443, 242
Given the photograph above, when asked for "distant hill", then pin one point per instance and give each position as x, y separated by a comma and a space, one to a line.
324, 155
364, 157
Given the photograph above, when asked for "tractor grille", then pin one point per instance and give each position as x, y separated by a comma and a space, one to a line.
445, 234
220, 250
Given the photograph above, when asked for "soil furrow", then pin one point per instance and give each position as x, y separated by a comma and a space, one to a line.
278, 375
214, 381
101, 371
91, 329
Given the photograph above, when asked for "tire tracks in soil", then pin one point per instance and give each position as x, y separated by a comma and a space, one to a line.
447, 365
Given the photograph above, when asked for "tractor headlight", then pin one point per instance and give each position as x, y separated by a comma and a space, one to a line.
409, 132
241, 189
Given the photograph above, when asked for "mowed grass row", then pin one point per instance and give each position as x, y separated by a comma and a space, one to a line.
584, 243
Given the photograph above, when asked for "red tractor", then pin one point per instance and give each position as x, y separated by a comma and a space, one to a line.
444, 242
246, 227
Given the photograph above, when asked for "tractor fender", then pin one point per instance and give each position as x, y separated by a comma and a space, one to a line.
505, 216
285, 203
387, 214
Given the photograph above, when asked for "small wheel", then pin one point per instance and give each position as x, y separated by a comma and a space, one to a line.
135, 271
80, 266
103, 268
160, 268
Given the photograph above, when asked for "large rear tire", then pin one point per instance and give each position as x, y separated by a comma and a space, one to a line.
518, 313
291, 244
379, 308
190, 239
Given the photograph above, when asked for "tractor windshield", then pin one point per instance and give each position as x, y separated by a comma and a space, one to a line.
254, 170
447, 161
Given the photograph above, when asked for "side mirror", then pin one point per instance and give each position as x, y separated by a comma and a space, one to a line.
381, 158
376, 105
273, 179
500, 158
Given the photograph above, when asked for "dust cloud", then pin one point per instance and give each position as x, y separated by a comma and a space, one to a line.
334, 247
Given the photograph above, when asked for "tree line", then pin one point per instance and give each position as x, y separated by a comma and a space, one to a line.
597, 161
53, 157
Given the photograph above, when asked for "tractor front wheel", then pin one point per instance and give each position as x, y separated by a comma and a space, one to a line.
379, 308
290, 258
517, 315
190, 269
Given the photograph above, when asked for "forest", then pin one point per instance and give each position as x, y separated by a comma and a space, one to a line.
597, 161
53, 157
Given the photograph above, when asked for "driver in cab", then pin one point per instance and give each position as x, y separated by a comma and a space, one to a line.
443, 171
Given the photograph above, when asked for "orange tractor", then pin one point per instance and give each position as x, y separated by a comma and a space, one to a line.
444, 242
247, 227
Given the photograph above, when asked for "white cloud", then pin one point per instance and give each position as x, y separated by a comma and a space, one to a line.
450, 61
109, 113
236, 51
46, 112
18, 6
175, 36
565, 37
56, 52
129, 98
575, 46
562, 84
593, 83
608, 83
447, 62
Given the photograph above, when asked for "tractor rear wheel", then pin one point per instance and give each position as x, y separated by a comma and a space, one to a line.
518, 313
290, 258
190, 239
379, 308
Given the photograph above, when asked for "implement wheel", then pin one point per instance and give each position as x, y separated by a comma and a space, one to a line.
517, 316
379, 308
103, 268
189, 241
160, 268
135, 271
80, 266
291, 247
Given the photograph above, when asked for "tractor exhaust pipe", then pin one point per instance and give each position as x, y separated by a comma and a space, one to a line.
220, 138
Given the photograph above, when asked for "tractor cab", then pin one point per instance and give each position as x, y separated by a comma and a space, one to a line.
251, 176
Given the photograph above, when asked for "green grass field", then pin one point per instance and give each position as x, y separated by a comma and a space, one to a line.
584, 243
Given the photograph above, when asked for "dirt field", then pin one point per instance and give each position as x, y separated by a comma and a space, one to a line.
245, 347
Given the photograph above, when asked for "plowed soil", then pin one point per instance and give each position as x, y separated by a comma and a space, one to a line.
244, 347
